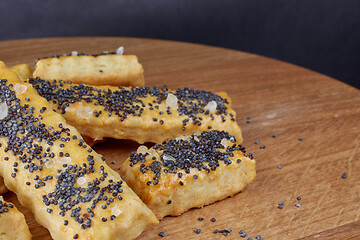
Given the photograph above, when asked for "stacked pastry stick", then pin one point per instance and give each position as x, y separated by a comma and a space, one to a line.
196, 135
12, 222
68, 186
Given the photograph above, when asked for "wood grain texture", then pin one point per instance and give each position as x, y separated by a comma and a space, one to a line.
281, 99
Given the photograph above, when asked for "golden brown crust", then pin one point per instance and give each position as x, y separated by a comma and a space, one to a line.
91, 142
174, 194
3, 189
22, 70
55, 174
139, 114
113, 69
12, 223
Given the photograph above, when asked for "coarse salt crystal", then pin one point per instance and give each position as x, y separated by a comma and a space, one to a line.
224, 142
116, 211
196, 138
3, 110
197, 133
168, 157
142, 149
1, 198
171, 101
84, 112
81, 180
74, 53
50, 163
211, 106
19, 88
152, 153
120, 50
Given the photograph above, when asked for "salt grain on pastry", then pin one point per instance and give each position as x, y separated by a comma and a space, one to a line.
49, 163
224, 142
211, 106
142, 149
120, 50
167, 157
152, 153
19, 88
3, 111
84, 112
81, 180
171, 101
116, 211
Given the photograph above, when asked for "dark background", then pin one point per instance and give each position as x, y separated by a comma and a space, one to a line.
322, 35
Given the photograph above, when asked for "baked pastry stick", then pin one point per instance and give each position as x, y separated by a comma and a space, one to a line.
141, 114
67, 185
101, 69
12, 223
177, 175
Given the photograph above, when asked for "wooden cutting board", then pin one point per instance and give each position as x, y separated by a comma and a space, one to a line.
271, 98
